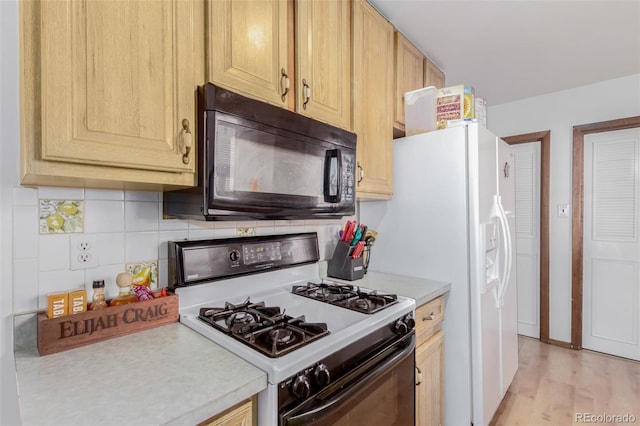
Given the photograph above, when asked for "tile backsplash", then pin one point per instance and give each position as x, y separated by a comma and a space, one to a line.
128, 227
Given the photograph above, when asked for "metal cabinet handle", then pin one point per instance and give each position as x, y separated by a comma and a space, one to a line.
360, 172
186, 141
418, 376
306, 92
284, 81
430, 317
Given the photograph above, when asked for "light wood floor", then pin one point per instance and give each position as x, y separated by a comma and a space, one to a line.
554, 385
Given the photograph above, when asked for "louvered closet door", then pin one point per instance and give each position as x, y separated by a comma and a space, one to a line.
527, 172
611, 293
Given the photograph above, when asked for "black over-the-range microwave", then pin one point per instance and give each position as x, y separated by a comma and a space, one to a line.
259, 161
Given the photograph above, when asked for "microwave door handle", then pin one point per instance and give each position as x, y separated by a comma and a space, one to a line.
332, 174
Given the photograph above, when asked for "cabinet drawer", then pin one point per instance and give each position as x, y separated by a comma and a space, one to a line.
429, 319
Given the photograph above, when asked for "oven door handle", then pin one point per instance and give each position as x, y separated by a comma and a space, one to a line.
361, 373
332, 175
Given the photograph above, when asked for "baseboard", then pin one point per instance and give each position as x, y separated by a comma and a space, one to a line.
561, 343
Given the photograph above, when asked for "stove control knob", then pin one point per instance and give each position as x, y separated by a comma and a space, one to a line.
401, 327
301, 387
234, 255
321, 375
411, 323
404, 325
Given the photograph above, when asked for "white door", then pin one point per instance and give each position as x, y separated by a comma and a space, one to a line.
611, 277
527, 176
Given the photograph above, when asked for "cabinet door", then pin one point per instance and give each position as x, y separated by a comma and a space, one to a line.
430, 381
372, 100
117, 83
248, 48
240, 415
409, 74
323, 61
433, 76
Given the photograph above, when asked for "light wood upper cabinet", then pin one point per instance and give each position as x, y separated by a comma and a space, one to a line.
433, 76
248, 48
255, 45
373, 100
409, 74
323, 60
109, 92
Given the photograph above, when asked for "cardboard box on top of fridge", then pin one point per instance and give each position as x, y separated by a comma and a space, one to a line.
481, 111
454, 103
420, 110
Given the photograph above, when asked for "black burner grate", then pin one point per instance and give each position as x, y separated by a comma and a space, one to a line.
347, 296
263, 328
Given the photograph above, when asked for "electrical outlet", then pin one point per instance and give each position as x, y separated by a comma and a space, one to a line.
83, 251
563, 210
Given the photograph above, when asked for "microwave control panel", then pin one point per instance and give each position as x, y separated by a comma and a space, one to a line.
348, 177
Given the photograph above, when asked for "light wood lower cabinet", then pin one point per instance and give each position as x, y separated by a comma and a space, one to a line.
242, 414
429, 386
430, 363
108, 92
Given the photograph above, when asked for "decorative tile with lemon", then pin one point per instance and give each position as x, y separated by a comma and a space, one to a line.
61, 216
144, 273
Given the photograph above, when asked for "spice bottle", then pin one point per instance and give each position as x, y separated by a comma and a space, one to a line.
98, 300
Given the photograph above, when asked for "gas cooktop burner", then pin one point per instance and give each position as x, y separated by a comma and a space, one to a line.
346, 296
263, 328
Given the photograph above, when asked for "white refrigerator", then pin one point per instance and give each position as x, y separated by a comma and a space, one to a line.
452, 219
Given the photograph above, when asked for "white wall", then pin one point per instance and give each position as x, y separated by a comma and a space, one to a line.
9, 136
559, 112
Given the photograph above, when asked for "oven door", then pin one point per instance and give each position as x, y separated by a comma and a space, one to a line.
270, 172
380, 391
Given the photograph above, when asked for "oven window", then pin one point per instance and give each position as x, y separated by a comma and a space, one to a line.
387, 399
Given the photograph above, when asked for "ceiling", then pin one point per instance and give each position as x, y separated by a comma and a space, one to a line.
516, 49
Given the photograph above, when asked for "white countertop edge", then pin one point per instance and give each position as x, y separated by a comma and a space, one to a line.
427, 297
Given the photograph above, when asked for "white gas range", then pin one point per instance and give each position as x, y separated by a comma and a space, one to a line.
262, 299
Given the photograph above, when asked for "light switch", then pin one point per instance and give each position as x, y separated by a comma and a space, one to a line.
563, 210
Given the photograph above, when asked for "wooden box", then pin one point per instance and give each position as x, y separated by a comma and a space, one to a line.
72, 331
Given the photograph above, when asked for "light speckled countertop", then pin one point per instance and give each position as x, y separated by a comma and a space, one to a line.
422, 290
168, 375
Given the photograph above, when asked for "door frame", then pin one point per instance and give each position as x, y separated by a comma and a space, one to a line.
577, 241
544, 137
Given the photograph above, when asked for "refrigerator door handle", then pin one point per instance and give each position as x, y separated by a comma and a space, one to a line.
508, 252
505, 248
501, 250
